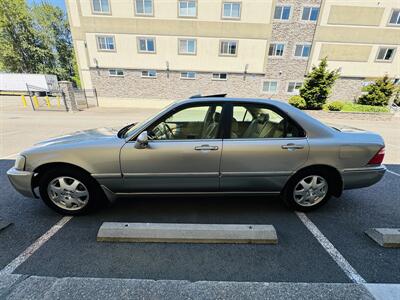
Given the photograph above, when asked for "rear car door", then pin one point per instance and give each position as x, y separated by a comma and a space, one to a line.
264, 147
183, 153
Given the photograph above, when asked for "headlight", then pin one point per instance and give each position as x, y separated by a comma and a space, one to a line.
20, 163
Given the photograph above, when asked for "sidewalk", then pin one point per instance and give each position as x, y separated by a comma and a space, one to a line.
34, 287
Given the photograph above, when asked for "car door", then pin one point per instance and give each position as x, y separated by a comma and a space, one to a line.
183, 153
263, 149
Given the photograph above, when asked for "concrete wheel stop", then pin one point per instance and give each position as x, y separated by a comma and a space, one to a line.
386, 237
186, 233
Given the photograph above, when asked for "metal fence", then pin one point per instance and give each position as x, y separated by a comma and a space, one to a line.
85, 98
46, 100
55, 100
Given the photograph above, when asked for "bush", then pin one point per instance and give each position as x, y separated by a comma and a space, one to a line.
318, 85
353, 107
335, 106
298, 101
396, 99
378, 93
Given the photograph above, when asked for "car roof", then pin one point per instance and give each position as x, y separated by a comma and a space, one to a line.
279, 103
226, 99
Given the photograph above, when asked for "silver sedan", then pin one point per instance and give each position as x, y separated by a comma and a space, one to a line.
203, 145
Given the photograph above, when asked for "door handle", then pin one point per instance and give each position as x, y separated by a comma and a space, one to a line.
292, 146
206, 148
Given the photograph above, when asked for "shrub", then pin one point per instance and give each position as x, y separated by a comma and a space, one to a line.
353, 107
335, 106
396, 99
378, 93
297, 101
318, 85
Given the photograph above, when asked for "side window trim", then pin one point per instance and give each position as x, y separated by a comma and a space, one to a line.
227, 133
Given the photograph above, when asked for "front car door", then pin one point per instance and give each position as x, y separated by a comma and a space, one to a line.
183, 153
263, 149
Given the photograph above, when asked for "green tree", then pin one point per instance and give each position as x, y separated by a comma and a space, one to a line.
396, 99
318, 85
75, 77
53, 28
378, 93
36, 40
21, 49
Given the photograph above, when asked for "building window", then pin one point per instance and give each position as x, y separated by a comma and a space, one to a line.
116, 72
101, 6
385, 54
147, 45
106, 43
270, 87
144, 7
293, 87
282, 12
188, 75
187, 46
149, 74
231, 10
395, 18
187, 8
228, 48
302, 50
310, 13
276, 49
219, 76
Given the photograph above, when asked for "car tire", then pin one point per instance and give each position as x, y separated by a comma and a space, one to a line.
69, 191
307, 190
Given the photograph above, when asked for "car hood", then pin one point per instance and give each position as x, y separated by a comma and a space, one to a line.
81, 136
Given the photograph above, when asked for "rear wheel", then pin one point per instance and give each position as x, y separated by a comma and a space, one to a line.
307, 190
69, 191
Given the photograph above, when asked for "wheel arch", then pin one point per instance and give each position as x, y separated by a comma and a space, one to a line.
40, 170
334, 176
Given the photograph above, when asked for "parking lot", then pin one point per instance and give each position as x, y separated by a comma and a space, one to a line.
299, 256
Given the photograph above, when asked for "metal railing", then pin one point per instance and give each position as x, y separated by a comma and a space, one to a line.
55, 100
45, 100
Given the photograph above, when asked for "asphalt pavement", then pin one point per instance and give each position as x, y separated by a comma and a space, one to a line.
298, 257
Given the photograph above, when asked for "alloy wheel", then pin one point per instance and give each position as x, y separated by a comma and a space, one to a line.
310, 190
68, 193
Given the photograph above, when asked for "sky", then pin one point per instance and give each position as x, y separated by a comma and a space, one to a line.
59, 3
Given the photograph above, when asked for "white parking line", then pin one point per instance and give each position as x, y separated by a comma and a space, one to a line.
391, 172
34, 247
332, 251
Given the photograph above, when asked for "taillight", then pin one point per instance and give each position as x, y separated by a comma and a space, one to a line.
378, 157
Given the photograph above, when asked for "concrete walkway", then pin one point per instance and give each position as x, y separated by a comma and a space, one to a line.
34, 287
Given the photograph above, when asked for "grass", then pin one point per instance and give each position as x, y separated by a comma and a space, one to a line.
352, 107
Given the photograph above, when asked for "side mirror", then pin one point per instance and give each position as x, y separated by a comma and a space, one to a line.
142, 141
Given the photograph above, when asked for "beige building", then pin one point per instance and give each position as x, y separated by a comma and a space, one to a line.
149, 52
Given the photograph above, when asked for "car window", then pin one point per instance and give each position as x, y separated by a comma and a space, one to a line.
255, 121
241, 114
198, 122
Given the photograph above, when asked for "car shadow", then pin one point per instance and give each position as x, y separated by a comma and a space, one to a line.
193, 209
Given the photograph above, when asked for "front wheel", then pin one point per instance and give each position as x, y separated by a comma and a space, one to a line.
307, 191
69, 191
